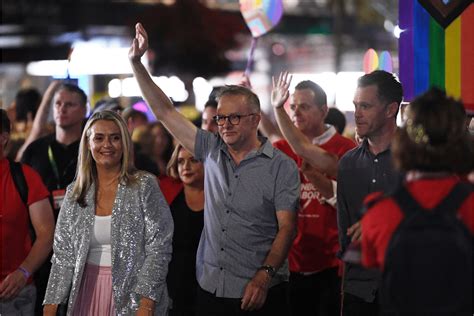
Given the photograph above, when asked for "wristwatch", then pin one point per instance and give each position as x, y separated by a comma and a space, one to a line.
268, 269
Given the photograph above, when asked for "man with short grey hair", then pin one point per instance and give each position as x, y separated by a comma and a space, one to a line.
251, 198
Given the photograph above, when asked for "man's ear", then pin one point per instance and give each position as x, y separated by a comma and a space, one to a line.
256, 118
324, 108
392, 109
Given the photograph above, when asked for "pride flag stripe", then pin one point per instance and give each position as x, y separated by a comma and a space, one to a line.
453, 59
421, 21
437, 64
467, 58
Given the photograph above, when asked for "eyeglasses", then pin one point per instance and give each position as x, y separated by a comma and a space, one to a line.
234, 119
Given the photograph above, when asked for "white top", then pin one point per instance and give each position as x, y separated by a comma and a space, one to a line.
99, 248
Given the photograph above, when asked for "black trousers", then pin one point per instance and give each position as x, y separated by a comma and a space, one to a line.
355, 306
276, 304
317, 294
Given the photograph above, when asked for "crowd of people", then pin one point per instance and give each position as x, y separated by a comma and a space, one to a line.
110, 214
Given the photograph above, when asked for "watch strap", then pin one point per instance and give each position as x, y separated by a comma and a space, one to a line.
268, 269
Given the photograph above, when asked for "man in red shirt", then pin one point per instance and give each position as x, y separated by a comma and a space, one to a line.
20, 257
316, 147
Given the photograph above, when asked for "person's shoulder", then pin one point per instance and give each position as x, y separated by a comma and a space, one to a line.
169, 187
282, 157
343, 140
283, 146
351, 155
40, 144
208, 139
145, 177
165, 181
29, 172
47, 139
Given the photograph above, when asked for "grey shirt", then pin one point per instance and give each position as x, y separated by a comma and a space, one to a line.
359, 173
240, 222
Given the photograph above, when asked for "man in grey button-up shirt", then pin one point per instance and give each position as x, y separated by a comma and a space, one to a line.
251, 198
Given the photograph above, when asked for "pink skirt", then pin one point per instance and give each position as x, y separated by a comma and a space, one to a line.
95, 296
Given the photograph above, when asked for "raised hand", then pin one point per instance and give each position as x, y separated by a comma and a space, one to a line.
280, 92
139, 44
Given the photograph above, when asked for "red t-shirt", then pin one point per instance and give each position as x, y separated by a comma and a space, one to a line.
383, 218
14, 217
316, 243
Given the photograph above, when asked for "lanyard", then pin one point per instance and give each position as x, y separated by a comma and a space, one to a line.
54, 166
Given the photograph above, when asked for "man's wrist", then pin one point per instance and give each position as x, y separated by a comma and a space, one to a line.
279, 106
270, 270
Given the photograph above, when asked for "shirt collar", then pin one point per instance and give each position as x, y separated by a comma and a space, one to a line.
266, 148
365, 146
324, 137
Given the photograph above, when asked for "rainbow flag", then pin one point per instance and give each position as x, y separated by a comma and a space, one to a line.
433, 55
261, 15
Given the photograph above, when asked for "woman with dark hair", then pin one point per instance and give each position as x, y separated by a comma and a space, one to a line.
184, 191
112, 243
435, 151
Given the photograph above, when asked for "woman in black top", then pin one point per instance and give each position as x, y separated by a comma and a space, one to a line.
185, 194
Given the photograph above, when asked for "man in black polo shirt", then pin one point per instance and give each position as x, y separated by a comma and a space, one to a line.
54, 157
362, 170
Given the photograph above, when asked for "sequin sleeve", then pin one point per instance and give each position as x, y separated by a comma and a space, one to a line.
151, 281
63, 260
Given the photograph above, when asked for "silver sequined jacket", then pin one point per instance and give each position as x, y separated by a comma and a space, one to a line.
141, 237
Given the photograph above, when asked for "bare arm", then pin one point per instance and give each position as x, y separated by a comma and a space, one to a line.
322, 183
146, 307
181, 128
268, 129
50, 310
255, 292
41, 117
42, 219
299, 143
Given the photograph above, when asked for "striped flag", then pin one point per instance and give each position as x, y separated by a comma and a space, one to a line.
437, 54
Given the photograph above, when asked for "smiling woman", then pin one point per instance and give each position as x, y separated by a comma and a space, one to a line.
105, 144
109, 207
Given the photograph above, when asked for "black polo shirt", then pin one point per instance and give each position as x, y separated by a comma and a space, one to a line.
360, 172
65, 157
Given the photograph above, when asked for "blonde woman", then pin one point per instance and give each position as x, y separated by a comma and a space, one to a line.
184, 191
112, 243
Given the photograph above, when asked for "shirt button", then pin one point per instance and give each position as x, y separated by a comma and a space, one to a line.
230, 193
222, 249
221, 268
373, 180
236, 176
223, 230
227, 211
376, 160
